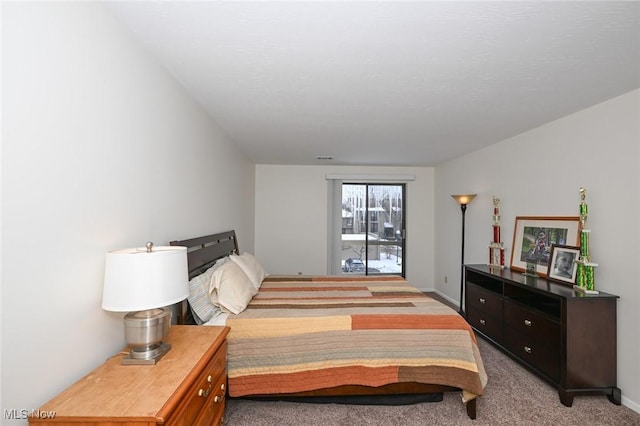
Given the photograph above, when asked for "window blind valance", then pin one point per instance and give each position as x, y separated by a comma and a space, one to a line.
370, 177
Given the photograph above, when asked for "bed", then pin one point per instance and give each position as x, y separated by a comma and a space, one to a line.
329, 336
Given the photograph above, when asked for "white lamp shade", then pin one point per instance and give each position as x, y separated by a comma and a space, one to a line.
136, 280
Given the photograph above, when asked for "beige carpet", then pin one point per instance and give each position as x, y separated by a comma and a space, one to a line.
513, 396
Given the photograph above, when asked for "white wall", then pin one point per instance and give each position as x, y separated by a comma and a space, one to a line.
539, 173
101, 150
291, 218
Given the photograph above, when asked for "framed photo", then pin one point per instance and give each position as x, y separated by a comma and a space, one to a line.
533, 237
563, 266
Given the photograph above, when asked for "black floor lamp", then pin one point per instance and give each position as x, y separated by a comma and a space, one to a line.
463, 200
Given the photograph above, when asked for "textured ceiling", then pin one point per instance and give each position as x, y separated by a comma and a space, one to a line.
388, 83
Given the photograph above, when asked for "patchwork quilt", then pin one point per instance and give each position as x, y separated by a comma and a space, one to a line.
306, 333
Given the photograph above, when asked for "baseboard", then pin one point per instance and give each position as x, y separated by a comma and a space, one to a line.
441, 298
450, 300
631, 404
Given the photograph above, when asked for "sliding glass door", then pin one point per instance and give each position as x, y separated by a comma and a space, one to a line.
373, 230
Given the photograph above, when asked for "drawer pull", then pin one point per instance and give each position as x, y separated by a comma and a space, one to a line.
205, 393
527, 349
483, 322
483, 300
222, 387
527, 323
217, 399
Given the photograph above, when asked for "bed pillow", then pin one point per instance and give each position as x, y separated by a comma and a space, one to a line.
230, 288
251, 266
201, 307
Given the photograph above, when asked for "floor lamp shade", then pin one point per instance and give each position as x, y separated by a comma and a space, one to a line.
464, 199
143, 282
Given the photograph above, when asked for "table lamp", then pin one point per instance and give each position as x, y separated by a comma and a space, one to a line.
144, 282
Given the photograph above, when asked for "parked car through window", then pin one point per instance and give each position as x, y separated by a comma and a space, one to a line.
353, 265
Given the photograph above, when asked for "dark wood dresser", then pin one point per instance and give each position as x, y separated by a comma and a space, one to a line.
564, 336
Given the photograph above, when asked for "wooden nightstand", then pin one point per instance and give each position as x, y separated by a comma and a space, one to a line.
186, 387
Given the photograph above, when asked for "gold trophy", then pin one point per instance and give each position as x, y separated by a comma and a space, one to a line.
496, 248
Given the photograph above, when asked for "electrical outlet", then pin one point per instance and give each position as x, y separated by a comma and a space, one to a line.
446, 279
299, 273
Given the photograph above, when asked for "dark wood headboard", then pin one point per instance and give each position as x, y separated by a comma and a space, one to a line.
202, 253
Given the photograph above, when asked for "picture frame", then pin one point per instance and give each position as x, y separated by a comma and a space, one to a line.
533, 237
562, 265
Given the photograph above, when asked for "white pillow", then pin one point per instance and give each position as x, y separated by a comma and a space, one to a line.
230, 288
201, 306
251, 266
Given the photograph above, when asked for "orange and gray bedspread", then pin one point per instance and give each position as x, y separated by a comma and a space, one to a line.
305, 333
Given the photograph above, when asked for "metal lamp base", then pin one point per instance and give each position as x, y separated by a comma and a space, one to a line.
144, 331
146, 357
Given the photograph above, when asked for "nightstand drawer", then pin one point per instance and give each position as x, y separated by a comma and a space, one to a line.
531, 323
209, 389
213, 412
484, 322
484, 300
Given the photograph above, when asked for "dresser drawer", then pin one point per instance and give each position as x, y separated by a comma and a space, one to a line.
208, 390
485, 323
544, 357
484, 300
531, 323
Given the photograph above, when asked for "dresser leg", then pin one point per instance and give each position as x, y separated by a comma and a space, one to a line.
566, 398
615, 396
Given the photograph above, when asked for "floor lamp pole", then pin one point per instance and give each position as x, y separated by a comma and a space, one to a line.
463, 200
463, 207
